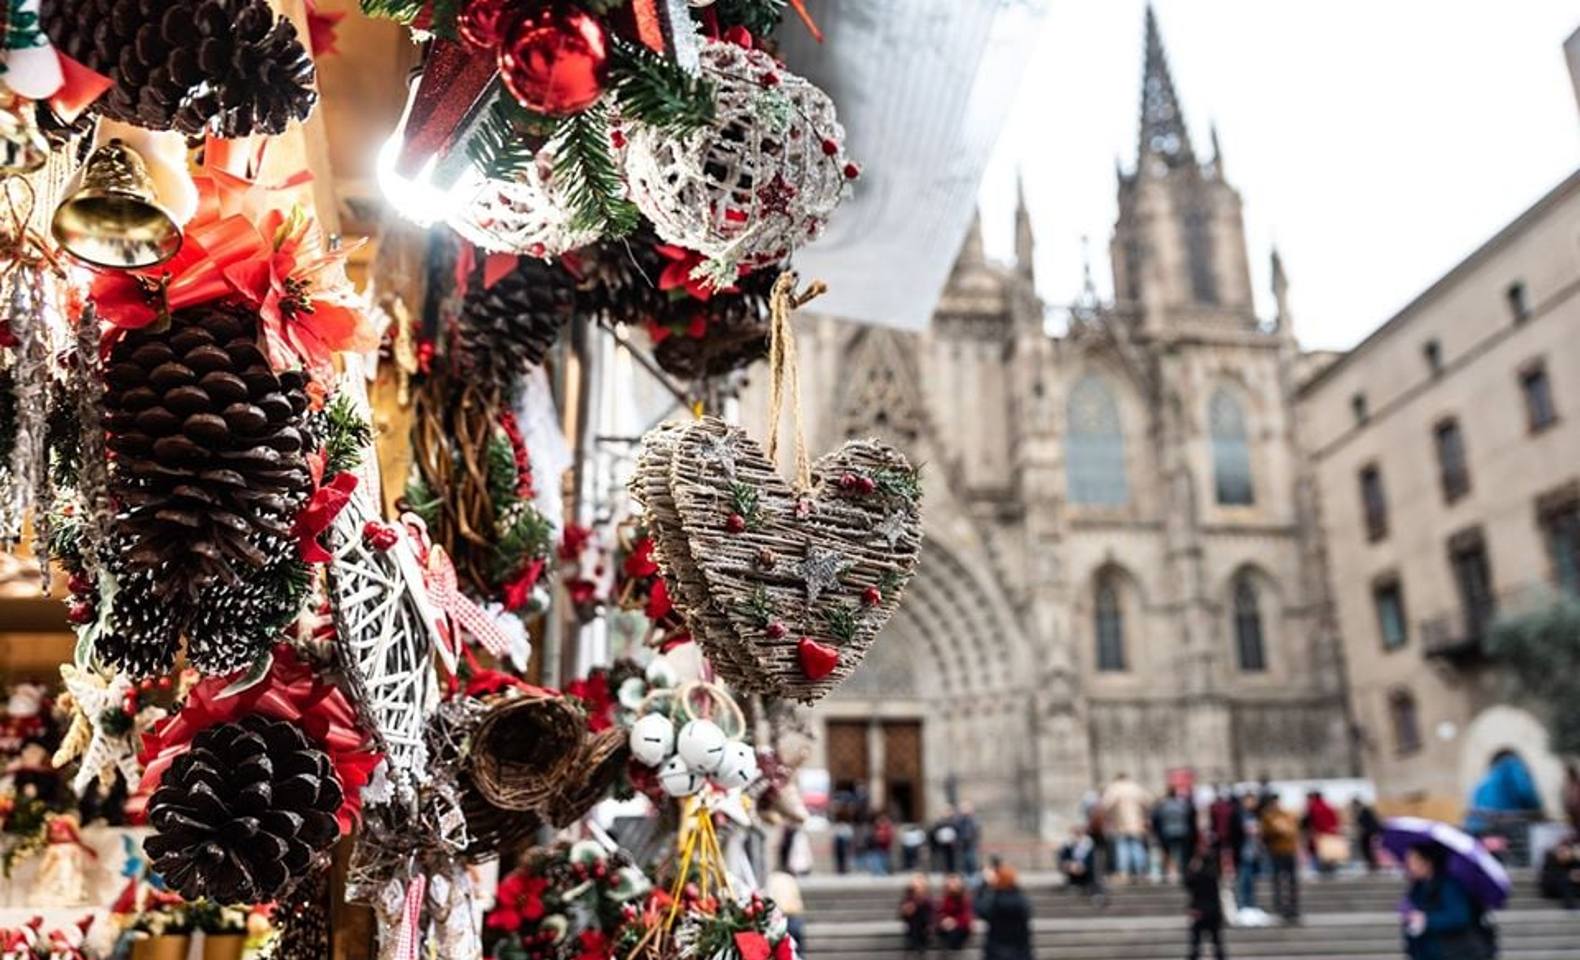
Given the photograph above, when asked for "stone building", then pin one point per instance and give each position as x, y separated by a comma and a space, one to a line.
1446, 447
1122, 571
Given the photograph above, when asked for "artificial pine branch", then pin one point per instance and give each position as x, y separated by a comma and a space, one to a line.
504, 145
657, 91
346, 435
403, 11
593, 187
760, 17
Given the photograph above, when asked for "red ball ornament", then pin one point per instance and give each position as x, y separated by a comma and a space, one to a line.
482, 22
554, 60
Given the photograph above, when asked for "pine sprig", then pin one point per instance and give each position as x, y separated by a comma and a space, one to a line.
526, 536
900, 484
584, 164
503, 476
657, 91
842, 623
760, 607
346, 435
401, 11
506, 141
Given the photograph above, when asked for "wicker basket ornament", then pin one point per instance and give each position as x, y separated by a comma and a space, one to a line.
525, 747
598, 766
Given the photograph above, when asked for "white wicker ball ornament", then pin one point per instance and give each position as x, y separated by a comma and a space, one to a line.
652, 739
700, 744
759, 181
738, 768
677, 779
528, 216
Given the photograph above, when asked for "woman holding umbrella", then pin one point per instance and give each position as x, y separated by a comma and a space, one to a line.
1454, 882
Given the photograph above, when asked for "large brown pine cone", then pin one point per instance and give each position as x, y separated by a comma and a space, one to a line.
227, 67
240, 816
510, 326
209, 443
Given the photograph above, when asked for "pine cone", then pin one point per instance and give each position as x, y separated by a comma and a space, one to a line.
227, 67
145, 632
619, 278
209, 446
510, 326
242, 813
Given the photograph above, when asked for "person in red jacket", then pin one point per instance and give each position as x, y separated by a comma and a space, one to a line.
954, 913
1321, 821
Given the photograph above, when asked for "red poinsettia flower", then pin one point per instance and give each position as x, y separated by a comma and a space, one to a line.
658, 603
592, 945
639, 562
519, 902
677, 273
321, 29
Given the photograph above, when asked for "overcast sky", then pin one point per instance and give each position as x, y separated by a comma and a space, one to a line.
1377, 142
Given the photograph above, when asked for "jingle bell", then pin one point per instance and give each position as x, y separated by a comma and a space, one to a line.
112, 216
23, 148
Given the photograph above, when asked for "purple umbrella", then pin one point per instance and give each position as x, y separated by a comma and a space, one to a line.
1468, 861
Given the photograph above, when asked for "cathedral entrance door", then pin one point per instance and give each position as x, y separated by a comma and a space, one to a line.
902, 770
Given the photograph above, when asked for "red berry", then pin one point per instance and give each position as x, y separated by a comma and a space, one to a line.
871, 596
79, 584
865, 485
735, 523
776, 630
617, 139
848, 481
379, 536
830, 146
164, 683
852, 171
79, 612
769, 79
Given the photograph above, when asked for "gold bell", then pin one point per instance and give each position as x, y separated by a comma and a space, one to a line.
23, 148
113, 217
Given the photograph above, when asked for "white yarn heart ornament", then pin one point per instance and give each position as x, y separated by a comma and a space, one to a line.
760, 180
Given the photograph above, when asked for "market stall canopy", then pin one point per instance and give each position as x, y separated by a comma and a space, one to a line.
923, 87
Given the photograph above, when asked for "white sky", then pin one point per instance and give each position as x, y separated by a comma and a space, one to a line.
1377, 142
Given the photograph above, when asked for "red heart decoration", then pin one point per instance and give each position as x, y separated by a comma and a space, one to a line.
818, 660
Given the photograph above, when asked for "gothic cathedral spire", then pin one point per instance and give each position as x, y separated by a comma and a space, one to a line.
1163, 137
1025, 240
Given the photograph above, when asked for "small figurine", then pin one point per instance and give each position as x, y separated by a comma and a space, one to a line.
63, 872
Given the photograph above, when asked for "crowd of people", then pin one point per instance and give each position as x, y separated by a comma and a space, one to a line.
867, 840
946, 921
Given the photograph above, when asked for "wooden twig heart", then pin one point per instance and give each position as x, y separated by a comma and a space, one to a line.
786, 589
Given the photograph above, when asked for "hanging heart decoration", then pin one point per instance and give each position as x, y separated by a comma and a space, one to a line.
785, 586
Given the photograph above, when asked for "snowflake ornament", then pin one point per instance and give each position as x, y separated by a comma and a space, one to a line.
104, 747
758, 182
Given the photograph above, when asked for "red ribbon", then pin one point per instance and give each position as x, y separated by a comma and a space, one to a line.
290, 692
408, 943
443, 589
320, 511
517, 593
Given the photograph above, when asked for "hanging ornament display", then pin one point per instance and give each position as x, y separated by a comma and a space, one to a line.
554, 58
230, 68
758, 181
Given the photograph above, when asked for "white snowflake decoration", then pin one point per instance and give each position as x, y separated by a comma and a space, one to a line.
759, 181
526, 216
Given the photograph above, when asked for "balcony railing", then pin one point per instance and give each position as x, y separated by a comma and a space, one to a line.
1459, 637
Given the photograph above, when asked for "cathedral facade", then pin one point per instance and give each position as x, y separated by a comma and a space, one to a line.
1123, 571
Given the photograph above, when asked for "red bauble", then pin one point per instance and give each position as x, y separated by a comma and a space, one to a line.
482, 22
554, 60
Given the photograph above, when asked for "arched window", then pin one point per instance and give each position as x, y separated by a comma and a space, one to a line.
1109, 625
1095, 448
1406, 721
1231, 450
1248, 639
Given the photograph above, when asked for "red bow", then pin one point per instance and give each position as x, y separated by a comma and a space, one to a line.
517, 592
319, 512
290, 692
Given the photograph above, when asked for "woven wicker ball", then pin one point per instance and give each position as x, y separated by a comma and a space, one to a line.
759, 181
526, 216
526, 748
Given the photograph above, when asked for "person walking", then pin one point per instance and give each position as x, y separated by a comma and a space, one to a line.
1245, 835
1367, 829
1441, 921
1221, 814
1125, 808
1205, 905
880, 845
955, 914
916, 912
1008, 914
1175, 824
1324, 840
1281, 837
946, 844
968, 839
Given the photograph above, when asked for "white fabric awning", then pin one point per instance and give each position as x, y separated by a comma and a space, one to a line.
923, 88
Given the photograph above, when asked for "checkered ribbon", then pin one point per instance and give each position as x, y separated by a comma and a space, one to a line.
407, 943
443, 589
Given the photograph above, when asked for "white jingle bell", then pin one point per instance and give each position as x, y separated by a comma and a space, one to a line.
662, 673
701, 744
677, 779
739, 767
652, 739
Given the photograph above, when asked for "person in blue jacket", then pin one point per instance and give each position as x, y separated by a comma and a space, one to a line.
1441, 920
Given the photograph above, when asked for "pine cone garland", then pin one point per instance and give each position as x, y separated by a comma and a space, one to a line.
510, 326
242, 813
226, 67
209, 445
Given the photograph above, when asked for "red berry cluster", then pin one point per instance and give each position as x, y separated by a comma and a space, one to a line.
133, 701
81, 610
859, 484
379, 536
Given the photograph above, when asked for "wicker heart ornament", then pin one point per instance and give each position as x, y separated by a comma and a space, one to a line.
785, 588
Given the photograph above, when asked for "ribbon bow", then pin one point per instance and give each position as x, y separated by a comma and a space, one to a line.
444, 590
408, 942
